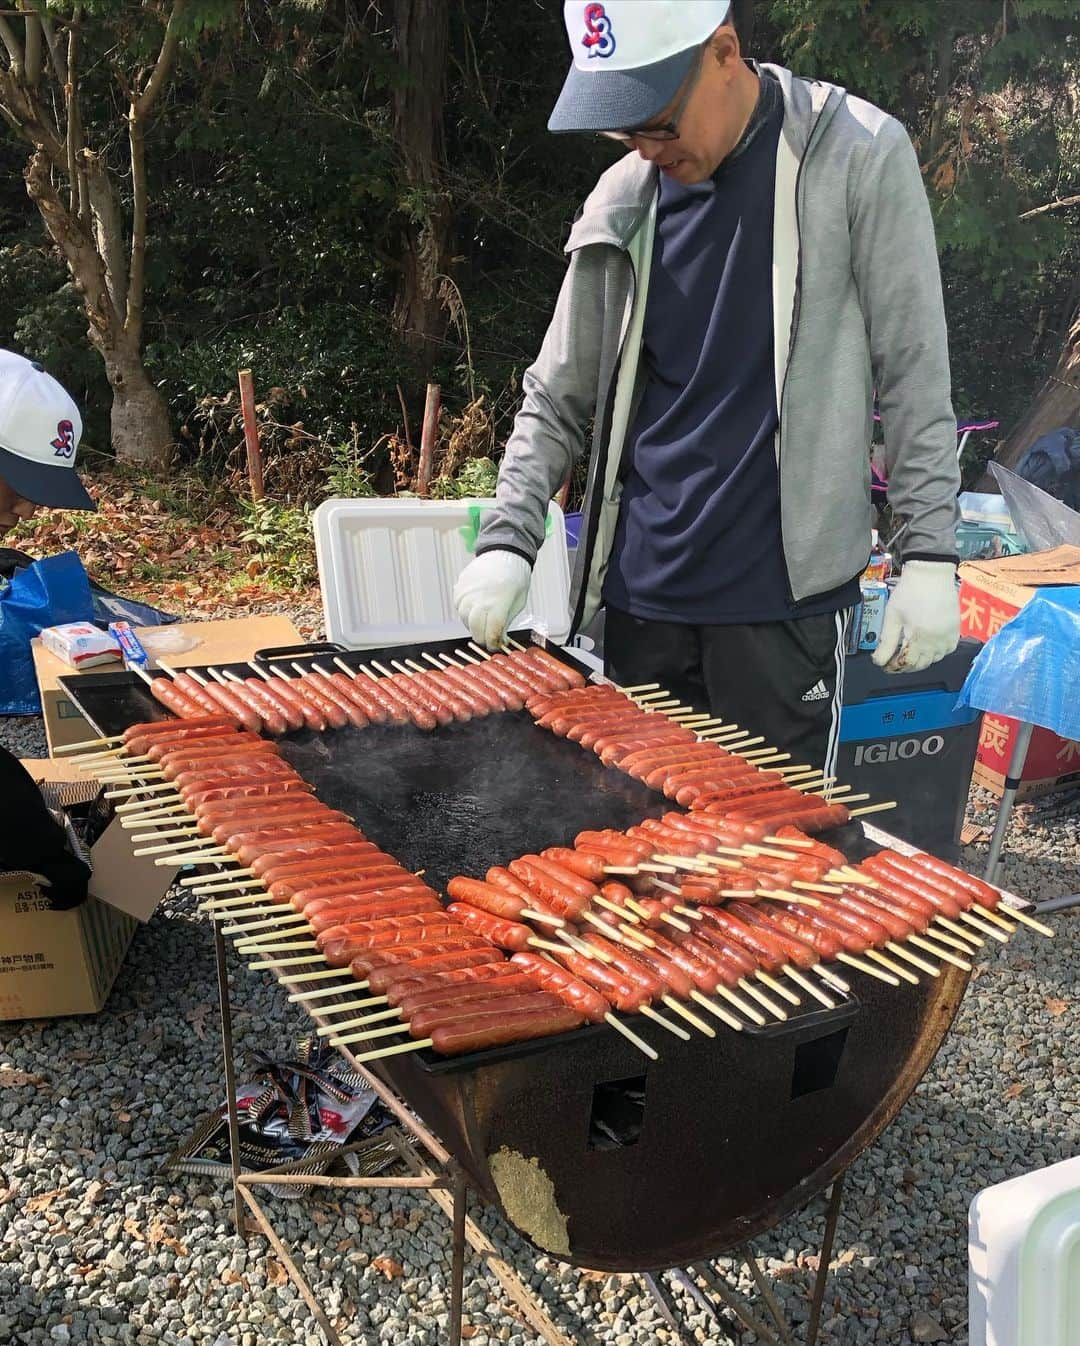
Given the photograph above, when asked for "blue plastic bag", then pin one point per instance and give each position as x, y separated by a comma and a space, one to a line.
1030, 669
46, 593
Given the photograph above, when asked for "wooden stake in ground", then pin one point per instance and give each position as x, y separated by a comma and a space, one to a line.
251, 433
428, 435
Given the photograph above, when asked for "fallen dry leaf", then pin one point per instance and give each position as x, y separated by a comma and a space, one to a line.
158, 1234
132, 1228
468, 1330
1055, 1006
388, 1266
197, 1019
230, 1277
345, 1245
44, 1200
1014, 1090
275, 1272
16, 1079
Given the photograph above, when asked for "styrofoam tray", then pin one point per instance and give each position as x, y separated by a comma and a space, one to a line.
387, 570
1024, 1260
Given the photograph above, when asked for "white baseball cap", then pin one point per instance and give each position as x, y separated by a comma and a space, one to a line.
630, 56
40, 429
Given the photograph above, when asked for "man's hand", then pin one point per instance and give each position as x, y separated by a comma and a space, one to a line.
922, 619
490, 593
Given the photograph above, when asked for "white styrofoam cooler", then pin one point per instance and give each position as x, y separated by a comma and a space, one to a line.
1024, 1260
387, 570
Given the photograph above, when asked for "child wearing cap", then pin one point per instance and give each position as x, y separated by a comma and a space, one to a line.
40, 429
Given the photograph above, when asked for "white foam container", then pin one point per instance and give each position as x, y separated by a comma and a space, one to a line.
387, 570
1024, 1260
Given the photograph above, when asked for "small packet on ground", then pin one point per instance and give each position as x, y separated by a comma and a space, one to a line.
304, 1109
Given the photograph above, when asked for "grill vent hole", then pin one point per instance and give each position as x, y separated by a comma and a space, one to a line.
618, 1113
817, 1063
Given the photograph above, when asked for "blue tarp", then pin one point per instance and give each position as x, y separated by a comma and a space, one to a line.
1030, 669
46, 593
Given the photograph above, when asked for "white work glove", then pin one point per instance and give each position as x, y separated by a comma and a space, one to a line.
490, 593
922, 618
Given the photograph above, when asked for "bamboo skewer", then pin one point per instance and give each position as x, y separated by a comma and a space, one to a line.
946, 955
778, 987
1031, 922
66, 748
808, 986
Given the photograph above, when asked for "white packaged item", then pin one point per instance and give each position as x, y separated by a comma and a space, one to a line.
387, 570
81, 644
1024, 1260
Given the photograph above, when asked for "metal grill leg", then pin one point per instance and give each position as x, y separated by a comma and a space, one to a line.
831, 1219
1008, 794
457, 1263
732, 1301
765, 1290
230, 1077
666, 1305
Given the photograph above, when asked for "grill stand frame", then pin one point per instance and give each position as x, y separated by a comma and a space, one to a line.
736, 1303
444, 1180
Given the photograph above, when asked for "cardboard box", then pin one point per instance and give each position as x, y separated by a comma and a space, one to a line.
55, 963
220, 642
991, 594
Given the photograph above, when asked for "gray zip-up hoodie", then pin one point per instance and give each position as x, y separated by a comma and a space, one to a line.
857, 306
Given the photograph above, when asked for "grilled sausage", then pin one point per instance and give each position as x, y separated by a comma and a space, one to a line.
151, 728
562, 900
481, 1032
378, 978
506, 934
487, 897
509, 981
271, 702
571, 990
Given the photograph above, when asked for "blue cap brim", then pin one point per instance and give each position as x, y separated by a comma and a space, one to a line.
619, 100
52, 487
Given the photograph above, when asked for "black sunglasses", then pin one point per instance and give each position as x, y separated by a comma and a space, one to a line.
668, 130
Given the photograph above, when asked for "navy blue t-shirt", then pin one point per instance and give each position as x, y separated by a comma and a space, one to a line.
698, 535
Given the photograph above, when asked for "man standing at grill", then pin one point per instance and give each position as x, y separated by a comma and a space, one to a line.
740, 283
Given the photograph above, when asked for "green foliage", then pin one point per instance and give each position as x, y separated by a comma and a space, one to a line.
281, 541
476, 477
277, 202
348, 476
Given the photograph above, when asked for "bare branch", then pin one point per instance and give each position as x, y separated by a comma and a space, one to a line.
84, 263
163, 65
24, 114
38, 6
71, 108
33, 52
107, 223
14, 47
1051, 205
137, 265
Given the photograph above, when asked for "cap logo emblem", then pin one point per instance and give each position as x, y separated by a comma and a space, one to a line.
598, 35
64, 443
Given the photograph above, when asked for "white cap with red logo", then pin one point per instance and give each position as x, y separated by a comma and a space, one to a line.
630, 56
40, 429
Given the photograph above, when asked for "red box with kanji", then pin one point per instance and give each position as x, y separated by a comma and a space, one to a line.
991, 594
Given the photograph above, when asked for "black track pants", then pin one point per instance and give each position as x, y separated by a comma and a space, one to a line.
783, 680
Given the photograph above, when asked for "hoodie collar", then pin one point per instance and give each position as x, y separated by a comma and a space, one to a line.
614, 209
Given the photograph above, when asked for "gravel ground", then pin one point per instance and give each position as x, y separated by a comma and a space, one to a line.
96, 1246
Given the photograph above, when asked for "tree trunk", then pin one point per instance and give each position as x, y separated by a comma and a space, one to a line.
1056, 404
421, 34
139, 421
